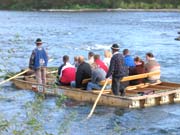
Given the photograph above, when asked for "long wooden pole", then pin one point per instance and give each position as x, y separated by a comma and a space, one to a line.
50, 72
14, 76
95, 103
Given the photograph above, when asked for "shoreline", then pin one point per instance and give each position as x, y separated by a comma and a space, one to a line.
100, 10
108, 10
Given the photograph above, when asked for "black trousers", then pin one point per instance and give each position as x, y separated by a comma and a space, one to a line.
117, 86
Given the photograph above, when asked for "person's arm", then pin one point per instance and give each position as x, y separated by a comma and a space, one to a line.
79, 76
46, 58
111, 68
59, 69
31, 60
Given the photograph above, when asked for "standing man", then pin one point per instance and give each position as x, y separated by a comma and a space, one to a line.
38, 62
118, 70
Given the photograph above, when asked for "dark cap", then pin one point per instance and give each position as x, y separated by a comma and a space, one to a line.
115, 47
38, 41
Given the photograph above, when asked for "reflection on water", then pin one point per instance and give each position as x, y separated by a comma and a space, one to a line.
76, 34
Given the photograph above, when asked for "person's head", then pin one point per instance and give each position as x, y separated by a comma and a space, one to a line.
65, 58
125, 52
115, 48
76, 59
90, 54
137, 60
38, 42
107, 54
81, 59
149, 56
96, 57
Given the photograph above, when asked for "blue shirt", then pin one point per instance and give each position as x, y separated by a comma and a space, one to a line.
129, 62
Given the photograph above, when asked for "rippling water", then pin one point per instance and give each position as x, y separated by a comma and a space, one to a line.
76, 34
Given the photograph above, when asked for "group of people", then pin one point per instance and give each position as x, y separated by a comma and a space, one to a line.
114, 66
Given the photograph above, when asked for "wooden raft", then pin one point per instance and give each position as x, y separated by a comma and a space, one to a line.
164, 92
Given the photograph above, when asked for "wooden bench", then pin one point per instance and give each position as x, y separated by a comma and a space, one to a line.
133, 77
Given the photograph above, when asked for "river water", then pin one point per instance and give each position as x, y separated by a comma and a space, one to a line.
76, 33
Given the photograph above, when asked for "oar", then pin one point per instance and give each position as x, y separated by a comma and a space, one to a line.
95, 103
51, 72
14, 76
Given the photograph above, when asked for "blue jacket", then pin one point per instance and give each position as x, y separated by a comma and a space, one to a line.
129, 62
38, 58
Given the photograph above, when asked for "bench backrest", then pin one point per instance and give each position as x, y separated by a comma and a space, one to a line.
134, 77
140, 76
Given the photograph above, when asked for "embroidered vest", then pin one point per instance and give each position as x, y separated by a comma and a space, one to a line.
41, 58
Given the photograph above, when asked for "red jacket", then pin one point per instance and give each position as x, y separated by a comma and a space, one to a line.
101, 64
67, 74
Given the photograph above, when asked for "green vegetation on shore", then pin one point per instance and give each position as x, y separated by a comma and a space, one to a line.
88, 4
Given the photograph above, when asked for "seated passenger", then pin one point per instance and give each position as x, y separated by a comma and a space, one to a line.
129, 62
151, 66
138, 69
100, 63
107, 57
76, 64
90, 58
83, 72
98, 74
66, 72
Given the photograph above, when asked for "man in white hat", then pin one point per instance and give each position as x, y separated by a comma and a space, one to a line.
38, 62
118, 70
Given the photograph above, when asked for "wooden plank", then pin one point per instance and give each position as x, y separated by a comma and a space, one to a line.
104, 92
155, 88
139, 90
99, 91
102, 82
170, 84
161, 87
156, 95
155, 83
140, 76
133, 87
133, 77
152, 101
142, 85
